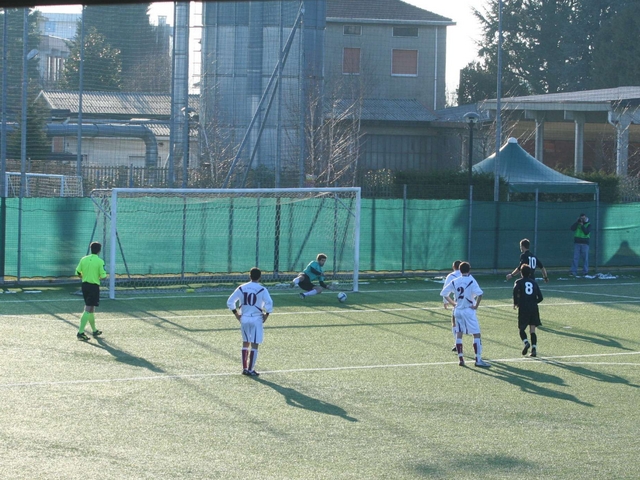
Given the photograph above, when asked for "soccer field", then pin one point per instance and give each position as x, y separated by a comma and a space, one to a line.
368, 389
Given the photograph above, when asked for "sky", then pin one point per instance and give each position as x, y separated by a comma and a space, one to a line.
461, 38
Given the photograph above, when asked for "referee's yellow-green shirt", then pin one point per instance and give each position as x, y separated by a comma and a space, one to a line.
91, 269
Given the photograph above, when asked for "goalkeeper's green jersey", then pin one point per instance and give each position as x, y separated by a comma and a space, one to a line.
314, 272
91, 269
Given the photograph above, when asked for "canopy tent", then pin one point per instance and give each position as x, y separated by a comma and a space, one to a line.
525, 174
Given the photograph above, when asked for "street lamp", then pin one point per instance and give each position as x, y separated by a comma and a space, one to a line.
471, 118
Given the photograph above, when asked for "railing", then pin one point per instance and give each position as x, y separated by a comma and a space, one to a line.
374, 184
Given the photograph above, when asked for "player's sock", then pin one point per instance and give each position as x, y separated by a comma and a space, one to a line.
253, 357
477, 347
83, 321
310, 293
92, 321
523, 335
459, 346
534, 339
245, 354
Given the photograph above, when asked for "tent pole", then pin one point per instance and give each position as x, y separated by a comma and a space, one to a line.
597, 235
470, 222
535, 225
496, 250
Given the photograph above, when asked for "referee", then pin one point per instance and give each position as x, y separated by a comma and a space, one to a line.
91, 270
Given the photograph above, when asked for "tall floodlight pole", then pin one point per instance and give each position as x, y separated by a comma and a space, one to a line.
496, 162
3, 149
80, 93
23, 116
23, 134
496, 170
179, 134
3, 134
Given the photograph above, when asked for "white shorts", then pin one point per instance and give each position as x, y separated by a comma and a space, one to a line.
467, 321
252, 328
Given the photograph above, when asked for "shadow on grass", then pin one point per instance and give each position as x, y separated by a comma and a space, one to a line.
124, 357
66, 299
585, 372
299, 400
529, 381
478, 464
596, 339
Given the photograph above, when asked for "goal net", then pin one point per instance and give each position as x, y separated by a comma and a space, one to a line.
167, 239
43, 185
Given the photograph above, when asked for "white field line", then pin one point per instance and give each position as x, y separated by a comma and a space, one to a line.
104, 316
318, 369
275, 293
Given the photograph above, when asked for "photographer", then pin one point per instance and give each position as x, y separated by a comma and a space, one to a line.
582, 229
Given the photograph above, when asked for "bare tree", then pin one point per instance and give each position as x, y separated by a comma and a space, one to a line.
333, 131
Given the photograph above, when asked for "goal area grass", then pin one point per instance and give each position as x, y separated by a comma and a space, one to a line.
366, 389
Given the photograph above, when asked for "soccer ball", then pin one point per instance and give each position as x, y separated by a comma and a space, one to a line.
342, 297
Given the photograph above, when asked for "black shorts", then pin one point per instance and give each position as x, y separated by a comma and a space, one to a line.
91, 294
305, 283
528, 317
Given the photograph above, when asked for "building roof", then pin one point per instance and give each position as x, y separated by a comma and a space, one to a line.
588, 100
157, 106
389, 110
456, 114
115, 104
382, 11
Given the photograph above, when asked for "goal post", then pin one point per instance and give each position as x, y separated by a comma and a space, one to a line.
167, 239
43, 185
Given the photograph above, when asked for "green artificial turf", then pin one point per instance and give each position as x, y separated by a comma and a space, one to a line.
368, 389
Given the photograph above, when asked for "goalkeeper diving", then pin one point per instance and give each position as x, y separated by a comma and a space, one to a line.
307, 279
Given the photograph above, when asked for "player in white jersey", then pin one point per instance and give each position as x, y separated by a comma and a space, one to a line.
454, 274
251, 304
468, 296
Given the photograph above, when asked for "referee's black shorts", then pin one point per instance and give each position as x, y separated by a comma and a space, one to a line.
91, 294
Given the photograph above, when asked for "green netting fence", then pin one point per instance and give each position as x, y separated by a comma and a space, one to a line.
397, 236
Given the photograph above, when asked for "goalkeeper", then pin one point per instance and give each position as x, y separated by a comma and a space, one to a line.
313, 273
91, 270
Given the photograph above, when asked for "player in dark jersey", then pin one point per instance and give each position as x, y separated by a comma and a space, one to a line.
526, 297
528, 258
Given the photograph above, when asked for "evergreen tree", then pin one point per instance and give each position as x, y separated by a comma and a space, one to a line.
548, 45
101, 66
479, 82
616, 57
15, 21
37, 144
143, 54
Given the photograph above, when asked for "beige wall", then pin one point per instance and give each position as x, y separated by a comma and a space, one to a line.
376, 44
